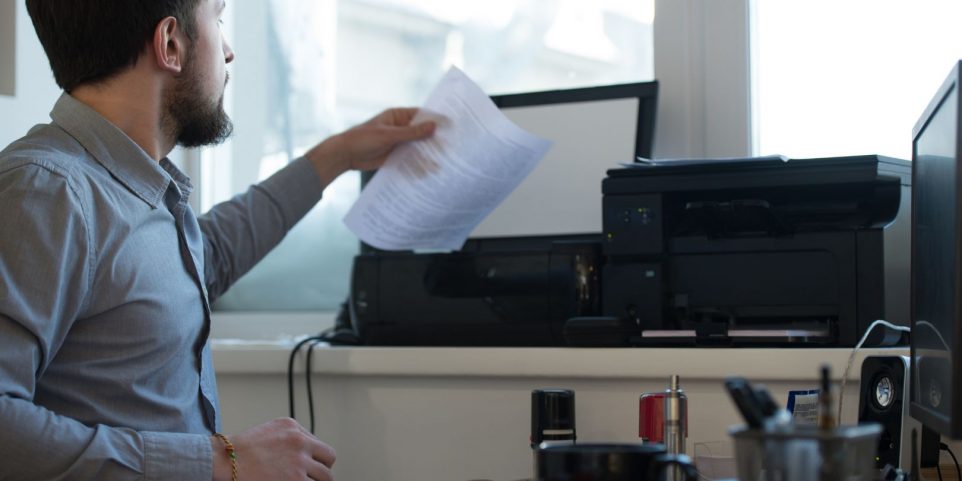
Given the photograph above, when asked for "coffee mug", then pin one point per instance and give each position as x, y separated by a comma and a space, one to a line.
609, 462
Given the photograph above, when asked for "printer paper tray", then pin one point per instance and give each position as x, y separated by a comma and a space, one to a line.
743, 333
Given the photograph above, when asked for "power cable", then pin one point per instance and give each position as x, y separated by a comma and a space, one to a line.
945, 447
310, 390
290, 371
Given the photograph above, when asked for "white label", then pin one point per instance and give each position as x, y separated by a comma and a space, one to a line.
804, 407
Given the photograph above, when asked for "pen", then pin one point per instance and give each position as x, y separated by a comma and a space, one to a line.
745, 400
826, 418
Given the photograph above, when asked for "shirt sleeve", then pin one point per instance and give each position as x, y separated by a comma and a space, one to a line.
240, 232
46, 260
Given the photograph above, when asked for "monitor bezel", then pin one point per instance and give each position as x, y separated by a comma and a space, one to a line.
645, 92
952, 426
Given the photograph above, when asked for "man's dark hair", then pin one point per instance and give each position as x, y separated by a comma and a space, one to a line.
88, 41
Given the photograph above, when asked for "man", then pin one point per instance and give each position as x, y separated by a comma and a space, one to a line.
106, 275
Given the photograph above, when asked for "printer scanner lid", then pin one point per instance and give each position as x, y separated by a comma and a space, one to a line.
752, 195
668, 175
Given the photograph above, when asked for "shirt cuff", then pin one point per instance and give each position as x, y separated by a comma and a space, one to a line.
168, 456
295, 189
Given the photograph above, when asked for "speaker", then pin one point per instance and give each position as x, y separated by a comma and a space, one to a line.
884, 399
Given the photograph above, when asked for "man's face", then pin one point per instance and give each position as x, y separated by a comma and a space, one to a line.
194, 106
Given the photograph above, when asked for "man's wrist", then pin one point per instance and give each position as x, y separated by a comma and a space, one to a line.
328, 160
221, 468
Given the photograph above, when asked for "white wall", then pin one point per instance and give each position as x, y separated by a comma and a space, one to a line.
401, 414
7, 46
36, 91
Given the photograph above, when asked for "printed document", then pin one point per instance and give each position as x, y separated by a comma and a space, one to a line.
430, 194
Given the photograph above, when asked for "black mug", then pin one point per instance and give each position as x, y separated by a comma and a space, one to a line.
609, 462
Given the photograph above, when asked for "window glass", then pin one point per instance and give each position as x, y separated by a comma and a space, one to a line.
848, 77
306, 69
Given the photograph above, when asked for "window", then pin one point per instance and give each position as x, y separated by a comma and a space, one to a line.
852, 77
306, 69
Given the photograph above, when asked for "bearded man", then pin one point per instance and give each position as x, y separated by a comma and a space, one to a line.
106, 275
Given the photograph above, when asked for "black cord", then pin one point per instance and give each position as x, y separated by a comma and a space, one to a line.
938, 470
338, 334
290, 372
945, 447
310, 390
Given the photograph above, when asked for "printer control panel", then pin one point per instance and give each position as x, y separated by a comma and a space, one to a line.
633, 224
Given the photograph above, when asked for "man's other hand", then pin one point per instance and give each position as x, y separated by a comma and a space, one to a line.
280, 450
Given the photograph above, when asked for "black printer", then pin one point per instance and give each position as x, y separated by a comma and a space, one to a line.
806, 252
770, 251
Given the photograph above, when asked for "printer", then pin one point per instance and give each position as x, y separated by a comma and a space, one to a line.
760, 251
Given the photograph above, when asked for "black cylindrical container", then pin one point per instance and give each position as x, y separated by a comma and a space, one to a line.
552, 417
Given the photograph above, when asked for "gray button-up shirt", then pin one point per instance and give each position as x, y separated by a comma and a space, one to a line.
105, 282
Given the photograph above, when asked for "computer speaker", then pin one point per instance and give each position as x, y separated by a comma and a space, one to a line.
884, 399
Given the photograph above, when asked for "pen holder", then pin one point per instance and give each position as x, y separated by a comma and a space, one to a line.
806, 453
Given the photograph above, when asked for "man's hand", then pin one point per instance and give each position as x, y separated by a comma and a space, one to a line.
280, 450
366, 146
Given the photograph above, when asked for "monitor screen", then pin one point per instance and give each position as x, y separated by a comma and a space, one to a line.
592, 129
936, 271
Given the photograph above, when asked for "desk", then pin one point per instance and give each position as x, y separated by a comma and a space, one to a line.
948, 473
455, 414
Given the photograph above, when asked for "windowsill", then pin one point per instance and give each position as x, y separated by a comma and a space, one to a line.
237, 357
261, 343
268, 327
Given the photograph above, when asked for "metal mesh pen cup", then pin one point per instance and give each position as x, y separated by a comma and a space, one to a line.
806, 453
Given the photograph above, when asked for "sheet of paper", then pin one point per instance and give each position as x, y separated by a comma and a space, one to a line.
430, 194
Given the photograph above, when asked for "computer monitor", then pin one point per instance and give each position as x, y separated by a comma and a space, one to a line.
936, 299
593, 129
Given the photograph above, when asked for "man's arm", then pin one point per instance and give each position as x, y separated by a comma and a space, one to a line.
45, 269
240, 232
38, 444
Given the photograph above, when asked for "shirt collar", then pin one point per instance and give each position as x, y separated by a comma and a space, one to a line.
116, 152
179, 178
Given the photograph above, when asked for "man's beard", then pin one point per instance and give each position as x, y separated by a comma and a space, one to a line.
192, 117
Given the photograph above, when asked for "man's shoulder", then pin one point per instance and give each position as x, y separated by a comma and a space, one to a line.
46, 147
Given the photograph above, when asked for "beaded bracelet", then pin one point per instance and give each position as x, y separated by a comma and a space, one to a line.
231, 454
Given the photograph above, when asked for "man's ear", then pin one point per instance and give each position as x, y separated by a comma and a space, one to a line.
169, 45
